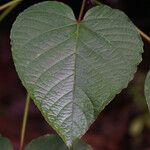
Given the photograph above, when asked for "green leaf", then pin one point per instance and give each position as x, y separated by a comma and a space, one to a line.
5, 144
80, 145
147, 89
73, 70
53, 142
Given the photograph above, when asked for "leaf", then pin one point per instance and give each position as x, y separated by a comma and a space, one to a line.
53, 142
147, 89
5, 144
80, 145
73, 70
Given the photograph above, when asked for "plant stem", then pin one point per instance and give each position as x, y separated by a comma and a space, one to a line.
81, 10
9, 4
25, 115
145, 36
9, 9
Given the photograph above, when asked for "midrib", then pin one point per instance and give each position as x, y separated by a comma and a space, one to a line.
74, 80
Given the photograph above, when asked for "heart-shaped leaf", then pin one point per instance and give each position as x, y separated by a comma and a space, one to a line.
5, 144
147, 89
53, 142
71, 69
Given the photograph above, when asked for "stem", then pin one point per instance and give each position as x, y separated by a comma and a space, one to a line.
81, 10
8, 4
9, 9
25, 116
145, 36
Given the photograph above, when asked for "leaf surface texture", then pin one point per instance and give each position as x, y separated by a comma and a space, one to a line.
73, 70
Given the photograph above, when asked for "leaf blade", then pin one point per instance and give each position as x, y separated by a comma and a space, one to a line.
54, 142
71, 70
5, 144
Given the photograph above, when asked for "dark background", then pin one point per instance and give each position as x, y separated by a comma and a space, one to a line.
125, 122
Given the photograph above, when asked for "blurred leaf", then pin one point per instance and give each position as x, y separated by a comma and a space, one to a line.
73, 70
138, 124
147, 89
137, 92
54, 142
80, 145
5, 144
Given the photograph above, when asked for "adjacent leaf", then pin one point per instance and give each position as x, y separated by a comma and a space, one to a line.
73, 70
53, 142
5, 144
147, 89
47, 142
80, 145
